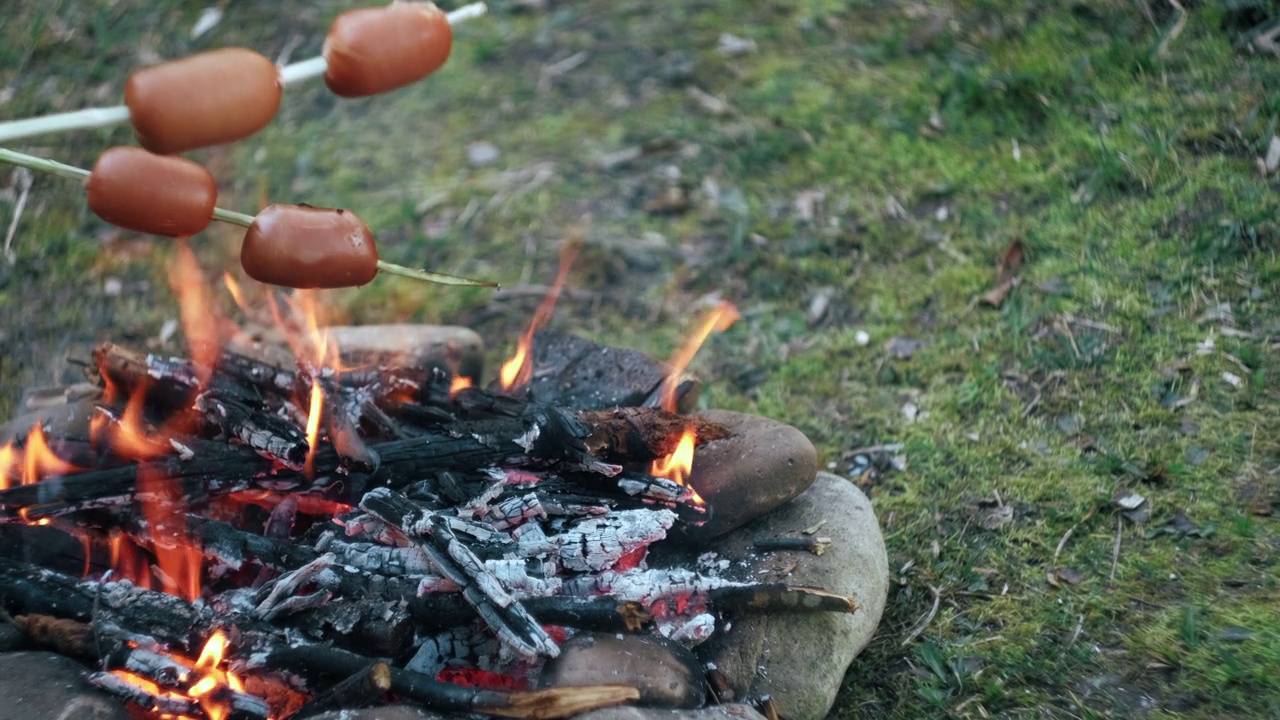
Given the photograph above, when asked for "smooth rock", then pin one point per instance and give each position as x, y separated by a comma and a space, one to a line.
45, 686
67, 419
715, 712
761, 465
801, 659
456, 348
666, 673
386, 712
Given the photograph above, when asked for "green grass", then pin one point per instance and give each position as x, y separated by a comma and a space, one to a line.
1134, 187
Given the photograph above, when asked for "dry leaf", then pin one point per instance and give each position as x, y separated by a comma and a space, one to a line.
1006, 274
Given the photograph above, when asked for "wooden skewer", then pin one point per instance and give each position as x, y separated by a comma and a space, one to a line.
91, 118
54, 167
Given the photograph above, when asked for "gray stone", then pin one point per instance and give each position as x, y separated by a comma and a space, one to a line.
761, 465
415, 345
44, 686
800, 659
666, 673
715, 712
66, 419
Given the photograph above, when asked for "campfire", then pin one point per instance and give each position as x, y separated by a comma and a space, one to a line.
234, 537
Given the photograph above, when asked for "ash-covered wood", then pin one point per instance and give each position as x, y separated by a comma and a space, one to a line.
268, 435
455, 561
165, 704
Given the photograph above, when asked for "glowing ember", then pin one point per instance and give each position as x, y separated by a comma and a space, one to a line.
718, 320
209, 686
516, 371
199, 315
458, 384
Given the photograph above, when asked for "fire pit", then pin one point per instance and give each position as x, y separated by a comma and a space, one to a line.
224, 536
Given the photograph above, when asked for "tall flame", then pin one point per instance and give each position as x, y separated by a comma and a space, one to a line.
314, 414
517, 371
179, 558
200, 321
721, 318
237, 294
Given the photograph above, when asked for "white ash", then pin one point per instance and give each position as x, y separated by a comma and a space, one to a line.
598, 543
379, 559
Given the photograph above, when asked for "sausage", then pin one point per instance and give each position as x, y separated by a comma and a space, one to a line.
154, 194
207, 99
307, 247
373, 50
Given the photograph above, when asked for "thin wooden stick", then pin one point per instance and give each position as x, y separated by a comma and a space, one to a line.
91, 118
54, 167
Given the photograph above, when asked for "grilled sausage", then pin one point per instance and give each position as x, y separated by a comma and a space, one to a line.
206, 99
373, 50
154, 194
306, 247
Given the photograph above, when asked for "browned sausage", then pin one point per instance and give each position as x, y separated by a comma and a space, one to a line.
373, 50
206, 99
154, 194
305, 247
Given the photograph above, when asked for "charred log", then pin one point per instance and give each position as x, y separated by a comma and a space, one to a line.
358, 690
321, 661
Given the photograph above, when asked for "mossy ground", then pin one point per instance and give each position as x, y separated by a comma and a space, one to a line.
1137, 353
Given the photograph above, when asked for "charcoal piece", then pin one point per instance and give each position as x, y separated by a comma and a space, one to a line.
268, 435
575, 372
358, 690
52, 547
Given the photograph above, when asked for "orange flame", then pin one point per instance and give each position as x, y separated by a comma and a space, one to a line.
314, 414
679, 464
38, 461
517, 371
721, 318
458, 384
200, 320
211, 678
129, 562
178, 557
237, 294
129, 437
9, 463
